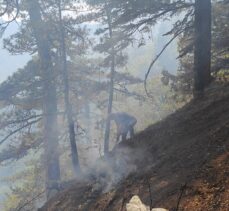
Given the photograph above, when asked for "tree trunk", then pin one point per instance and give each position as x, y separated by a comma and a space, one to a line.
202, 54
49, 100
88, 121
111, 89
71, 124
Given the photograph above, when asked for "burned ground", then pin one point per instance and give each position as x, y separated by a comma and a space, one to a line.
184, 156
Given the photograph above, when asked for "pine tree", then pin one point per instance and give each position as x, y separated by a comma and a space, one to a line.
49, 100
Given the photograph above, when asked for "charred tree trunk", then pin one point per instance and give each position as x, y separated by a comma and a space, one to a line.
49, 99
202, 54
111, 89
71, 124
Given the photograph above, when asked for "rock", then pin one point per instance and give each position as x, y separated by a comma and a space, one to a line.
136, 204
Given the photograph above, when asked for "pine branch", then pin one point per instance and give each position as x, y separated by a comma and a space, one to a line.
5, 10
21, 120
19, 129
3, 26
16, 152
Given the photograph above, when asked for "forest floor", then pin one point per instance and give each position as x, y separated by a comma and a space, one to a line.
181, 161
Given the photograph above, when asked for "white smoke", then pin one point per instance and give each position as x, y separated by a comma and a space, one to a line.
112, 169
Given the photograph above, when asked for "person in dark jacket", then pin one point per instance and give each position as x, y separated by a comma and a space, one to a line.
125, 123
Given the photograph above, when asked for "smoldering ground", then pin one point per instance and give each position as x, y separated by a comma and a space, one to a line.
107, 172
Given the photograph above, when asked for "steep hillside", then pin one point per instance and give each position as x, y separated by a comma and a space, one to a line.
181, 161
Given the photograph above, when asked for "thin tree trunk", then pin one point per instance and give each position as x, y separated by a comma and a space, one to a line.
49, 100
88, 121
111, 89
202, 54
71, 124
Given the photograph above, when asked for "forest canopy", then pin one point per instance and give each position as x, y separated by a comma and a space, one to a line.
89, 59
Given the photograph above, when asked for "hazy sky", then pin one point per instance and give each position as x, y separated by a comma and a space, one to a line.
10, 63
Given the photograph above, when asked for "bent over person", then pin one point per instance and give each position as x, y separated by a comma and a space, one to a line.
125, 123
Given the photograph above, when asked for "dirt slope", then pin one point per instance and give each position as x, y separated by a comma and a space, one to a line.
186, 155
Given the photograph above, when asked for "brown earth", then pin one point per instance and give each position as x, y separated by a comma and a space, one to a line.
184, 157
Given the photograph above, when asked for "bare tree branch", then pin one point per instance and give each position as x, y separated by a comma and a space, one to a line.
158, 56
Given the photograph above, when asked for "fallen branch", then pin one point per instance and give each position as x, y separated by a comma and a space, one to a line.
150, 194
123, 204
182, 189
